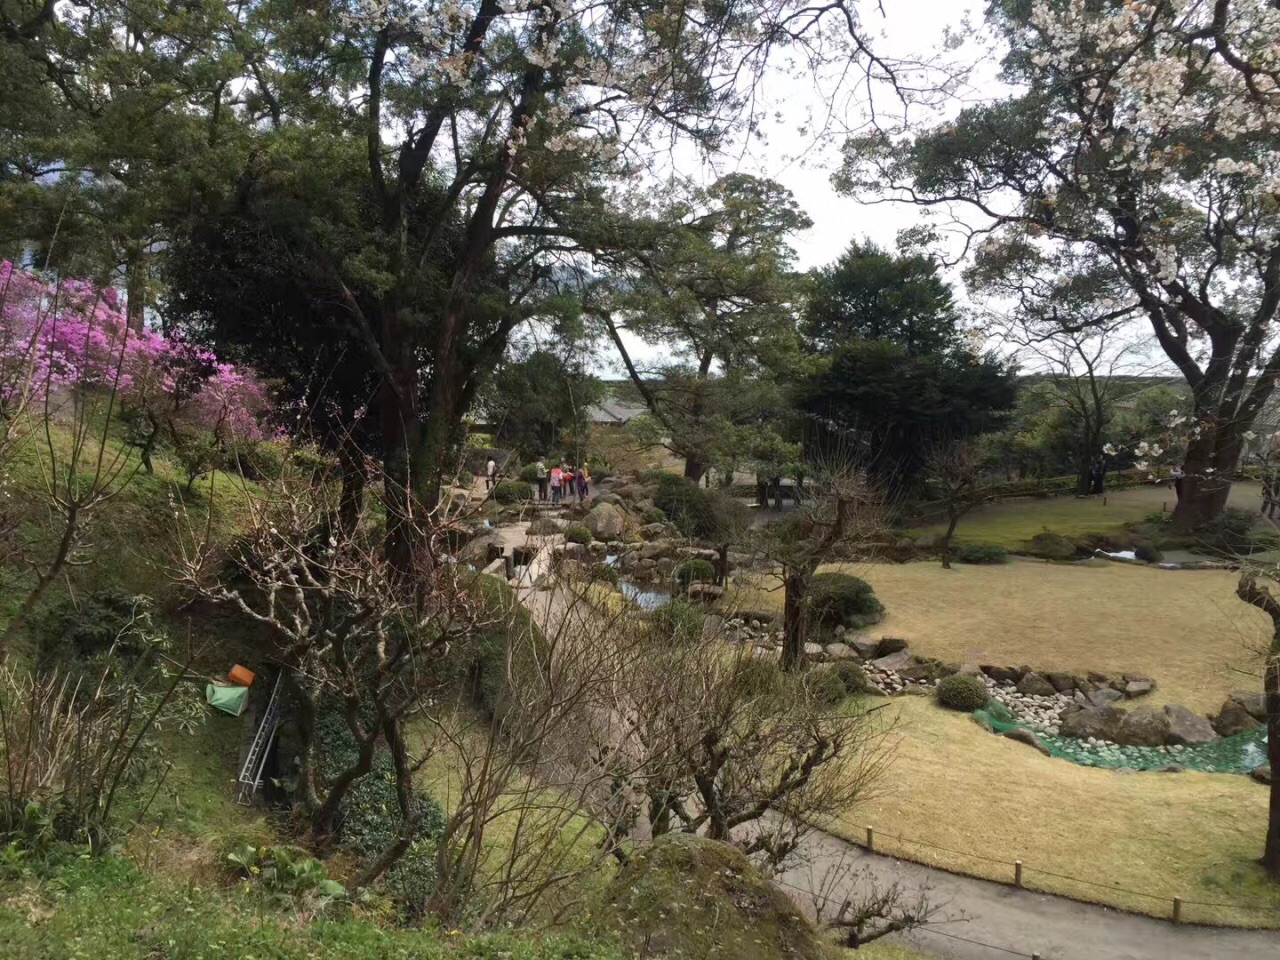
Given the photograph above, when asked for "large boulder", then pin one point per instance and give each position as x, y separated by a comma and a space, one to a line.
1254, 703
1034, 685
1051, 546
606, 522
1105, 696
1136, 685
1261, 774
1144, 727
1186, 727
480, 550
686, 896
1234, 718
888, 645
1023, 735
864, 647
840, 651
1062, 682
653, 551
1001, 674
1101, 723
894, 661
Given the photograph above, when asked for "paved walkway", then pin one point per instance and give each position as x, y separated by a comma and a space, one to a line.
992, 921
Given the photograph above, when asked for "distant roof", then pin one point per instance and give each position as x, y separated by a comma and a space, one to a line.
615, 412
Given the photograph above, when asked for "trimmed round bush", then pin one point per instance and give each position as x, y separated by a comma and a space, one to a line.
577, 533
695, 571
962, 691
692, 509
512, 491
837, 599
852, 676
1147, 552
982, 553
1051, 546
529, 473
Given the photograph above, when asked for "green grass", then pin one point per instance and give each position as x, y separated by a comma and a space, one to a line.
1013, 522
956, 793
109, 910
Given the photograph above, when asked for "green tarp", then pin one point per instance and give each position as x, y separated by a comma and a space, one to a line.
229, 699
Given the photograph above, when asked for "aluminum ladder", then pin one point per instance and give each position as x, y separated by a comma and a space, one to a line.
251, 774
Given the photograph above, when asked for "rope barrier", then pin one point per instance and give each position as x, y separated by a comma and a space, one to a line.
1259, 908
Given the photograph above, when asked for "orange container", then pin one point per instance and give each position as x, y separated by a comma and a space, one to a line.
241, 675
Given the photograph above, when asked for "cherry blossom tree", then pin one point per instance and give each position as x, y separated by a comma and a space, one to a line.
1141, 149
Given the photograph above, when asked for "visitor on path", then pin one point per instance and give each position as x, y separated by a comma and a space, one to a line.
1177, 475
569, 481
540, 474
1097, 474
584, 483
557, 481
490, 473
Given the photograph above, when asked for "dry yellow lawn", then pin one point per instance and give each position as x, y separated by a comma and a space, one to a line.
1185, 628
952, 784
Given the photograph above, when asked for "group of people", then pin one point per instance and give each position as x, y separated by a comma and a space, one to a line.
564, 480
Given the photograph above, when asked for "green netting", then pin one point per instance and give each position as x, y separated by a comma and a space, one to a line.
1239, 753
230, 700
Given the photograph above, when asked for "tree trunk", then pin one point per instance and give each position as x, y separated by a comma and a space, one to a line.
694, 468
401, 433
946, 541
135, 289
351, 496
1205, 487
794, 617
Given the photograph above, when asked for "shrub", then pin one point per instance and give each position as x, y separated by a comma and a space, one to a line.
852, 676
1051, 546
1231, 533
512, 491
69, 630
600, 469
694, 571
840, 599
652, 515
1146, 551
369, 819
605, 574
980, 553
500, 691
825, 686
962, 691
693, 510
757, 676
529, 473
578, 533
678, 622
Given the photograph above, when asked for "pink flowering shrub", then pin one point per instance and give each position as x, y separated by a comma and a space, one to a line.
68, 338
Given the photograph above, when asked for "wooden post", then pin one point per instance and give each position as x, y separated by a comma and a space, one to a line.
1017, 873
871, 840
1177, 909
1104, 499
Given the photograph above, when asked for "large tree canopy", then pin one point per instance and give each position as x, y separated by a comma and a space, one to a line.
871, 294
1142, 148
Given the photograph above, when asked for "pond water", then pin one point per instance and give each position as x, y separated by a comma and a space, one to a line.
646, 598
1238, 753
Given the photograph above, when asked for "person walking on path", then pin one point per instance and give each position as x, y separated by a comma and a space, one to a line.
540, 474
1097, 474
569, 482
557, 481
584, 482
490, 473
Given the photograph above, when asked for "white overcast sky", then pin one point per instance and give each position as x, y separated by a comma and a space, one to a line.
908, 29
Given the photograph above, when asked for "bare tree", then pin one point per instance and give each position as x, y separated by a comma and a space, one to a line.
844, 509
955, 471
